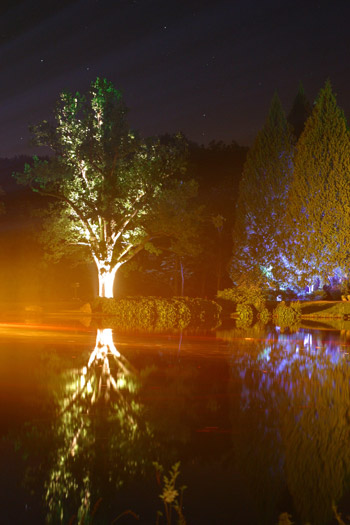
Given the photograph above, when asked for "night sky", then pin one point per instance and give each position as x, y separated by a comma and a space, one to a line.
206, 68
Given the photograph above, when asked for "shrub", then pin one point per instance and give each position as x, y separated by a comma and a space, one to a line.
297, 307
245, 312
158, 313
264, 316
244, 294
243, 323
287, 315
202, 310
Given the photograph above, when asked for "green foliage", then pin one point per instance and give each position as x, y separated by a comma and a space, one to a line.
264, 315
203, 311
284, 315
244, 294
135, 311
245, 313
244, 323
113, 193
319, 202
296, 306
158, 313
170, 495
259, 233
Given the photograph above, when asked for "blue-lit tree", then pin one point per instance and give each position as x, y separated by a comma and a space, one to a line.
259, 233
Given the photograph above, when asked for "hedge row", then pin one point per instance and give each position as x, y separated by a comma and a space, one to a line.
159, 313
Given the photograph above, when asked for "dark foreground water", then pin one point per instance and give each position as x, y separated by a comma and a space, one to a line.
259, 420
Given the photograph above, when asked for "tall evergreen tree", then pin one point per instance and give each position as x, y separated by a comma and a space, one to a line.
300, 112
319, 203
258, 231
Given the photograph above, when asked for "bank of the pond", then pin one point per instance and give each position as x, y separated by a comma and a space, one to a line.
325, 310
173, 308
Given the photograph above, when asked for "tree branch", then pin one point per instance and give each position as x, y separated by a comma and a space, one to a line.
121, 229
138, 247
74, 208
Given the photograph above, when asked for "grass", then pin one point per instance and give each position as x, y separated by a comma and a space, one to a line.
325, 309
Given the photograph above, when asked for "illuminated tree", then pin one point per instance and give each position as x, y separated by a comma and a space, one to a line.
319, 200
258, 234
111, 192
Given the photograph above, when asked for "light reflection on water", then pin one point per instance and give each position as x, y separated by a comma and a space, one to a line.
259, 419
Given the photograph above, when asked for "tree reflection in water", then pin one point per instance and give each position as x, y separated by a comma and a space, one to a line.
294, 418
262, 423
99, 419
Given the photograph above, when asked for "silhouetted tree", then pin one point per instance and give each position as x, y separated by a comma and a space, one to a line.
300, 112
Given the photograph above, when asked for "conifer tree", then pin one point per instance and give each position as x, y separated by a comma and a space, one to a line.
319, 202
258, 231
300, 112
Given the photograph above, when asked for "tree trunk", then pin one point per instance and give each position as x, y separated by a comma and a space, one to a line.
176, 277
182, 278
106, 278
219, 262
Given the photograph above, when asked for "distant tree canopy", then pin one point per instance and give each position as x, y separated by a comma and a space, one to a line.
218, 169
112, 193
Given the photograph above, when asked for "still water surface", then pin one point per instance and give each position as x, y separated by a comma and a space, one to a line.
259, 419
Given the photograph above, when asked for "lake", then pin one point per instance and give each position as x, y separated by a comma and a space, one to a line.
259, 419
